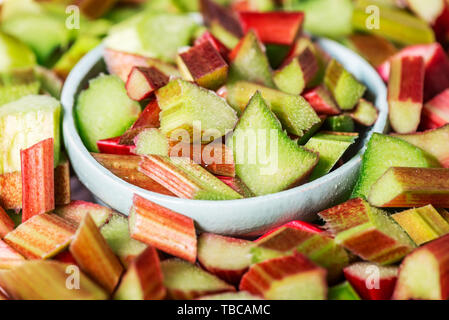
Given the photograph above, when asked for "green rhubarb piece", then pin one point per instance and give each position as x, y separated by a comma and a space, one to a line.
251, 63
422, 224
267, 160
187, 106
293, 111
331, 147
70, 58
24, 123
365, 113
104, 110
187, 5
276, 54
9, 93
394, 24
328, 18
343, 291
43, 33
50, 82
152, 141
164, 34
14, 54
384, 152
340, 123
223, 35
345, 88
311, 132
116, 234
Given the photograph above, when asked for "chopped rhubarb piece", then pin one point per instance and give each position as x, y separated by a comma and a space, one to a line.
300, 225
331, 146
162, 228
76, 210
227, 258
250, 63
143, 81
49, 280
127, 168
435, 13
116, 233
149, 116
298, 73
189, 107
376, 50
384, 152
38, 184
436, 67
405, 93
342, 123
422, 224
113, 146
435, 142
345, 88
95, 8
273, 27
226, 37
365, 113
62, 182
6, 223
368, 232
186, 179
9, 258
372, 281
237, 185
411, 187
11, 190
293, 111
292, 162
394, 24
286, 278
143, 280
423, 273
42, 236
65, 257
321, 101
209, 37
204, 65
436, 111
95, 257
319, 247
186, 281
231, 296
213, 12
343, 291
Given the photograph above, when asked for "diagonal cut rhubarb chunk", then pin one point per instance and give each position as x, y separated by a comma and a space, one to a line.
411, 187
149, 116
273, 27
423, 273
319, 247
321, 101
49, 280
341, 123
9, 258
127, 168
405, 93
435, 13
6, 223
422, 224
94, 256
295, 224
186, 281
204, 65
227, 258
384, 152
116, 233
376, 50
295, 75
237, 185
372, 281
113, 146
209, 37
436, 67
214, 12
38, 184
345, 88
436, 111
343, 291
42, 236
162, 228
435, 142
287, 278
186, 179
143, 280
143, 81
368, 232
293, 111
365, 113
76, 210
249, 62
62, 182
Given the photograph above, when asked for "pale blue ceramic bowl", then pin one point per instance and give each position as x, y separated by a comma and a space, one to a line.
246, 217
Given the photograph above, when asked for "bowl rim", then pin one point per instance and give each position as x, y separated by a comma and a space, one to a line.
89, 61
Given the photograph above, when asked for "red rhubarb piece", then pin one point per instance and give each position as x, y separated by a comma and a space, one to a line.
143, 81
113, 146
436, 112
299, 225
220, 47
321, 101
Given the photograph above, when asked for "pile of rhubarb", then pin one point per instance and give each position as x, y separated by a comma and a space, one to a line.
219, 115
